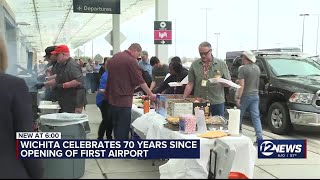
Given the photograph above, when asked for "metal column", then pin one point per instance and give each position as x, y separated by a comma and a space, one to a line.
161, 7
116, 33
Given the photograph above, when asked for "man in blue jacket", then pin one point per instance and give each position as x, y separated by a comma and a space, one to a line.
106, 123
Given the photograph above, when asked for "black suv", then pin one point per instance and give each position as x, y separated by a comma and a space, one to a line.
289, 90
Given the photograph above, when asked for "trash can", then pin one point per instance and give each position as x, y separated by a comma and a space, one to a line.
71, 126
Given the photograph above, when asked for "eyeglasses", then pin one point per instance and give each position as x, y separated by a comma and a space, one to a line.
204, 53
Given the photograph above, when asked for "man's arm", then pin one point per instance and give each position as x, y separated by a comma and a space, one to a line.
188, 89
76, 75
50, 83
164, 85
153, 85
146, 89
191, 77
71, 84
225, 74
51, 77
240, 80
240, 90
137, 79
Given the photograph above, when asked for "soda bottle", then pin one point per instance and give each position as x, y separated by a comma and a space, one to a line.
146, 105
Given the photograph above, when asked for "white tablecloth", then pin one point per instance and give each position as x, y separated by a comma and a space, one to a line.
151, 125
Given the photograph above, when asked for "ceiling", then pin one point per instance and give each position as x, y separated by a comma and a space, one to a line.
53, 21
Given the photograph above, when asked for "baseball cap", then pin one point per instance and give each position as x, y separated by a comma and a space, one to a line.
60, 49
48, 50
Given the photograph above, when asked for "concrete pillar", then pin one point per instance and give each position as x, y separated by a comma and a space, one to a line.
115, 33
23, 58
2, 21
162, 15
11, 36
19, 48
30, 58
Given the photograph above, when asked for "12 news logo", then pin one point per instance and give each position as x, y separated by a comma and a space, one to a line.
286, 149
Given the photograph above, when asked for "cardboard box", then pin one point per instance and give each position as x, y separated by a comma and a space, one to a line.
179, 107
201, 103
161, 104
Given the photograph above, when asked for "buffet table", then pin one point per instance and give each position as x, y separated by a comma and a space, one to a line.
151, 126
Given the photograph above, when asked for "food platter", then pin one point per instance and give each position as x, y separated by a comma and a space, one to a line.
213, 120
173, 120
213, 134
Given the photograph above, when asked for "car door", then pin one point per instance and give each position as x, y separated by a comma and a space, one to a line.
264, 81
234, 76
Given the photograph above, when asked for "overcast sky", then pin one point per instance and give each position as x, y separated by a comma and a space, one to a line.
235, 20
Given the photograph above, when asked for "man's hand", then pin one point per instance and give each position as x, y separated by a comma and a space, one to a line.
238, 101
153, 97
41, 78
39, 85
78, 110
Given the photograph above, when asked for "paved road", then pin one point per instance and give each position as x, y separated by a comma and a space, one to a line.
313, 138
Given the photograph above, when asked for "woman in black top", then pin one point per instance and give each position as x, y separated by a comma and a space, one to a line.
178, 73
102, 69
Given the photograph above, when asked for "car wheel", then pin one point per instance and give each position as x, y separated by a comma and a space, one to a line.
279, 119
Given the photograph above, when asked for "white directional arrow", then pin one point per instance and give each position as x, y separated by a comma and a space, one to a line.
162, 42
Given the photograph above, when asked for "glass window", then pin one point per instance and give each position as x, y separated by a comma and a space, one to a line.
282, 67
259, 63
235, 66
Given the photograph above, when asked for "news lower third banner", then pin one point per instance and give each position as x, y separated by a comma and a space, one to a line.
134, 149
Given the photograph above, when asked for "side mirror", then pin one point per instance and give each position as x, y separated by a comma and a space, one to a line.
264, 76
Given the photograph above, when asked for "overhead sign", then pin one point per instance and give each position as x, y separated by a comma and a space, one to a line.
162, 32
97, 6
109, 38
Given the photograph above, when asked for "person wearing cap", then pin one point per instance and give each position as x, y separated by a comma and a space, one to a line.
44, 72
68, 82
200, 72
248, 94
144, 63
51, 68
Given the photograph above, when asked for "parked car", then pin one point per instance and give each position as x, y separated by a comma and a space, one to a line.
289, 90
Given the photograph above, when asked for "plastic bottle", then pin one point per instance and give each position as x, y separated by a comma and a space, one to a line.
146, 105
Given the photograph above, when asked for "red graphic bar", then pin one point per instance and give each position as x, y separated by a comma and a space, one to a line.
162, 35
17, 149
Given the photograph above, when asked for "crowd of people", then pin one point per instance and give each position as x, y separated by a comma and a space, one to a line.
115, 81
131, 71
132, 68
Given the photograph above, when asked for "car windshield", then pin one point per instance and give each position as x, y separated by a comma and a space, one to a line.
294, 67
